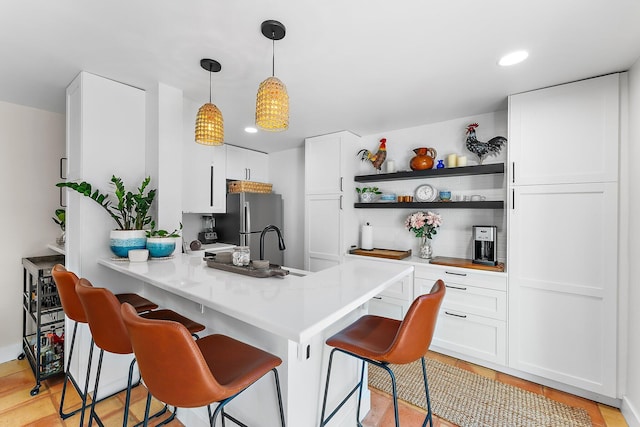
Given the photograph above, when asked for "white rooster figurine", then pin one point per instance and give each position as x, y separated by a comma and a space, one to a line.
482, 149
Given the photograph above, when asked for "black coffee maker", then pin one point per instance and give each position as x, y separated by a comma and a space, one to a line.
485, 244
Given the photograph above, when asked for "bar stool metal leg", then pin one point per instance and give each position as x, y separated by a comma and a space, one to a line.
69, 377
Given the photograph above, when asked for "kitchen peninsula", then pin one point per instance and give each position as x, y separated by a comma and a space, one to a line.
290, 317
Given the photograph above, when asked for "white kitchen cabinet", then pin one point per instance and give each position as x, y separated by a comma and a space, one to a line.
204, 178
563, 283
247, 165
393, 302
564, 134
329, 228
563, 233
473, 316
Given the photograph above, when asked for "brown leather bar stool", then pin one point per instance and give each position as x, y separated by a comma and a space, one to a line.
185, 373
66, 285
382, 341
109, 333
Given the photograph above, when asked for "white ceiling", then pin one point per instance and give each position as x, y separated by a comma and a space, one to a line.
364, 65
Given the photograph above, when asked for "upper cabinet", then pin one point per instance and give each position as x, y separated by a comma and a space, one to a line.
563, 134
247, 165
204, 183
324, 163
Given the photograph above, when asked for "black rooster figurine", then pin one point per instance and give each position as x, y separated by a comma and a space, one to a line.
482, 149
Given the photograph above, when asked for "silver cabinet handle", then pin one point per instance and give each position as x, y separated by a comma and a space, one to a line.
464, 316
377, 297
341, 182
62, 170
460, 288
455, 274
340, 202
513, 199
513, 172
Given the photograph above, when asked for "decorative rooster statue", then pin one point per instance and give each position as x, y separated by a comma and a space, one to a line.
482, 149
376, 159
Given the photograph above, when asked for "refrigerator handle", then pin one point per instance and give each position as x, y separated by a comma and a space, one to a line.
247, 224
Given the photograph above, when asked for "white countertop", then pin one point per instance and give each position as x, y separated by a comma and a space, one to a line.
294, 307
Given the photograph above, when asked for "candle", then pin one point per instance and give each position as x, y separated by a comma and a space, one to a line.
391, 166
462, 161
452, 161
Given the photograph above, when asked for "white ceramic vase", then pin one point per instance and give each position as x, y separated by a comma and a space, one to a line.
122, 241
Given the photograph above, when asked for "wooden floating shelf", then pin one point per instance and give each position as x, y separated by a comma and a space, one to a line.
499, 204
493, 168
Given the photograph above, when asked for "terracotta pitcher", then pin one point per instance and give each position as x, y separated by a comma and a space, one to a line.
423, 159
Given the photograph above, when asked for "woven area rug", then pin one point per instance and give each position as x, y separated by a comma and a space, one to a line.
471, 400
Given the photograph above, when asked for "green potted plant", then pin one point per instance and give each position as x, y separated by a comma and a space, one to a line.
131, 213
368, 194
161, 243
60, 220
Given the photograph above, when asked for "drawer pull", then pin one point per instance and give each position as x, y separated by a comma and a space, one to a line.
464, 316
455, 274
460, 288
377, 297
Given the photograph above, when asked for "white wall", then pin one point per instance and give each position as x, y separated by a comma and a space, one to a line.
631, 402
454, 236
33, 141
286, 172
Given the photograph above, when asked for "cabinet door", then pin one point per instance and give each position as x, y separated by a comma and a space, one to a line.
563, 284
236, 166
247, 165
204, 179
390, 307
323, 164
565, 134
323, 232
258, 165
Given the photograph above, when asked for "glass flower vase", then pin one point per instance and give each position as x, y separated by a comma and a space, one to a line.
425, 251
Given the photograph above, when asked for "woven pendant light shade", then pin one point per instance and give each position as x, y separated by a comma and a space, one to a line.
209, 125
272, 106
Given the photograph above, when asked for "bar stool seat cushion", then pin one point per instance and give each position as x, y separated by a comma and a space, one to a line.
369, 336
163, 314
139, 303
234, 364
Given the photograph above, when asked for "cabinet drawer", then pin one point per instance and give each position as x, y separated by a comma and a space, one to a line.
384, 306
470, 299
471, 335
463, 276
402, 289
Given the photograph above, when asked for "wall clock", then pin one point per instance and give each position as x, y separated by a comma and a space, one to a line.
426, 193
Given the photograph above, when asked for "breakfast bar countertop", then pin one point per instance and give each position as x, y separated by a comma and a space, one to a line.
294, 307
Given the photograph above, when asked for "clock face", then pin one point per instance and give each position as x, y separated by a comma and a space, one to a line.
426, 193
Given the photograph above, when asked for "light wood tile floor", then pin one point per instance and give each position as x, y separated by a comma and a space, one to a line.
19, 408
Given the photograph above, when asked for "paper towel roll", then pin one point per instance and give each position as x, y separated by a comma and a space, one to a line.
366, 237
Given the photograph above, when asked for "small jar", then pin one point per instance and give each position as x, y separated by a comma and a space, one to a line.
241, 256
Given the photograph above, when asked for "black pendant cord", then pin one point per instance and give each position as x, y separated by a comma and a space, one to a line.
273, 54
209, 87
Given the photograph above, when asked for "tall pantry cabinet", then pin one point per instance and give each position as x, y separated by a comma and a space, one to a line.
563, 232
329, 188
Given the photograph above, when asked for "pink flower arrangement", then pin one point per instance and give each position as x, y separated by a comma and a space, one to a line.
423, 224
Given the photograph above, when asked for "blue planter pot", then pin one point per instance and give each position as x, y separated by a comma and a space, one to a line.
160, 246
122, 241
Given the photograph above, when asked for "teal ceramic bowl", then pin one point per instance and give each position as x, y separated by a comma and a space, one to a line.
160, 247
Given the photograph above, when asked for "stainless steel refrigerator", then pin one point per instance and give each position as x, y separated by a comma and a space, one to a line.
247, 215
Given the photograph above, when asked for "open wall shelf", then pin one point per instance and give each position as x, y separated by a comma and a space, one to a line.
493, 168
499, 204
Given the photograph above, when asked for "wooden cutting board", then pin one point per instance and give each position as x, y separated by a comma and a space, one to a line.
382, 253
465, 263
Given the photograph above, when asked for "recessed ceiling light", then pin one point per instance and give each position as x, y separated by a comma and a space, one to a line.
250, 129
513, 58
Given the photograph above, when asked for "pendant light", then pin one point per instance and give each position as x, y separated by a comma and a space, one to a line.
209, 123
272, 102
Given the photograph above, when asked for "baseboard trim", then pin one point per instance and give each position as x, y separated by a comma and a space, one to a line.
10, 352
630, 414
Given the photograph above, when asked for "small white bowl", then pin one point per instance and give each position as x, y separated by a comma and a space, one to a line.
138, 255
